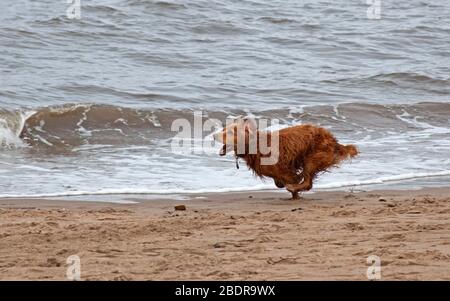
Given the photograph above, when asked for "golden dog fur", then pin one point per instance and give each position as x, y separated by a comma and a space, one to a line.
304, 151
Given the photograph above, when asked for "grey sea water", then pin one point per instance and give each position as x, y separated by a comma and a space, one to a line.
86, 105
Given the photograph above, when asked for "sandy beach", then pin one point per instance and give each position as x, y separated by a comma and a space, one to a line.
233, 236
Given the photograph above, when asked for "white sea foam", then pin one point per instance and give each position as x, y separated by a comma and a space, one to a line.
8, 138
264, 187
11, 126
386, 179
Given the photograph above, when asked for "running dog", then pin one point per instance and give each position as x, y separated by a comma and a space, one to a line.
303, 151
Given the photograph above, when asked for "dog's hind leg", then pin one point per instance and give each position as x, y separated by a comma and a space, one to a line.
295, 195
308, 174
286, 176
314, 164
290, 178
306, 184
293, 188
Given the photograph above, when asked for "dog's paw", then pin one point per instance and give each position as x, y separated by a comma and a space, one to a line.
279, 184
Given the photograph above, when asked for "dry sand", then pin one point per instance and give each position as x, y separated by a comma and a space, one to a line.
235, 236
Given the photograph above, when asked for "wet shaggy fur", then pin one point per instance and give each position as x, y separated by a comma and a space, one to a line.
304, 152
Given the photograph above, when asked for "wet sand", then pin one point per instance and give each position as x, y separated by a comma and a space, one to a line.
233, 236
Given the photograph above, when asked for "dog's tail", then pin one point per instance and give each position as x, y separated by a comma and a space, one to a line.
347, 151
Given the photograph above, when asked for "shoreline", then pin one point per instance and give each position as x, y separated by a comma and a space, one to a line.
389, 183
326, 235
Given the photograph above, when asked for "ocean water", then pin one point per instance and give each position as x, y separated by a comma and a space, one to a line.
87, 105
